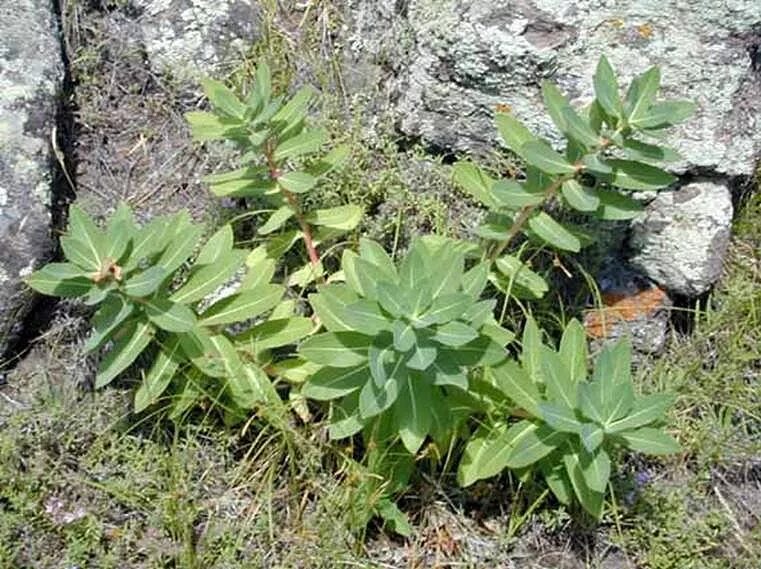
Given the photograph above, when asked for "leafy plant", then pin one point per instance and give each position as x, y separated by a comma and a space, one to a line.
149, 293
572, 424
272, 135
400, 342
612, 148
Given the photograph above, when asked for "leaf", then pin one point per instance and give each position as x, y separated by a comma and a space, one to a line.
539, 154
631, 175
156, 381
276, 220
638, 150
275, 333
512, 131
332, 383
223, 99
216, 246
615, 206
664, 114
80, 253
573, 350
641, 94
579, 130
263, 82
205, 279
530, 443
180, 248
474, 280
591, 436
60, 279
394, 517
580, 198
294, 109
279, 245
251, 387
170, 316
474, 181
207, 126
375, 254
557, 378
145, 283
374, 400
83, 229
124, 352
644, 411
330, 306
365, 316
485, 455
517, 385
333, 160
553, 233
595, 469
424, 355
455, 334
512, 195
606, 88
246, 182
590, 500
521, 275
304, 143
557, 479
445, 308
556, 103
107, 320
404, 336
149, 240
481, 351
345, 217
412, 413
559, 417
650, 441
242, 306
337, 349
531, 354
297, 182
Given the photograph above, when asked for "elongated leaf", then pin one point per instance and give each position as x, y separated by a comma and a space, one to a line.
371, 251
297, 182
474, 280
337, 349
345, 217
250, 387
591, 436
517, 385
445, 308
664, 114
539, 154
412, 413
306, 142
579, 130
374, 400
560, 387
242, 306
474, 181
512, 195
404, 336
295, 108
149, 240
556, 103
60, 279
330, 306
596, 469
650, 441
124, 352
156, 381
531, 354
81, 254
455, 334
606, 88
83, 229
638, 150
560, 417
631, 175
615, 206
275, 333
590, 500
553, 233
554, 473
485, 455
145, 283
512, 268
366, 316
170, 316
580, 198
481, 351
216, 246
107, 320
332, 383
513, 133
204, 280
641, 94
182, 245
644, 411
530, 443
223, 99
276, 220
207, 126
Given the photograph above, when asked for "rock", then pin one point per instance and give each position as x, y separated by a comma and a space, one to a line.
467, 57
189, 38
31, 71
681, 240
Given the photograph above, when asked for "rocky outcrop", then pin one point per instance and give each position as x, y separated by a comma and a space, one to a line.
31, 72
681, 240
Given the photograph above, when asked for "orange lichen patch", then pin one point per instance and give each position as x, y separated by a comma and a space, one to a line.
619, 307
503, 108
645, 30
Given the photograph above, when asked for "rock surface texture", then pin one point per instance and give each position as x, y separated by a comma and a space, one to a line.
681, 241
31, 72
463, 58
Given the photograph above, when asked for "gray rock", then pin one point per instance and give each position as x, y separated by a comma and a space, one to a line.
31, 71
469, 56
189, 38
682, 237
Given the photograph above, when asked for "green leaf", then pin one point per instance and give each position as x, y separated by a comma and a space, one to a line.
251, 387
559, 417
412, 413
512, 195
156, 381
539, 154
245, 182
513, 132
276, 220
80, 253
263, 82
304, 143
205, 279
531, 354
279, 245
631, 175
150, 240
242, 306
595, 469
366, 316
207, 126
345, 217
553, 233
83, 229
517, 385
145, 283
333, 160
134, 339
606, 88
530, 443
481, 351
591, 436
170, 316
297, 182
121, 228
445, 308
615, 206
404, 336
330, 306
485, 455
332, 383
374, 400
556, 104
424, 355
217, 245
650, 441
455, 334
60, 279
557, 378
107, 320
580, 198
638, 150
474, 181
337, 349
664, 114
644, 411
641, 94
474, 280
223, 99
295, 109
182, 245
573, 350
557, 479
579, 130
591, 501
394, 517
515, 270
275, 333
375, 254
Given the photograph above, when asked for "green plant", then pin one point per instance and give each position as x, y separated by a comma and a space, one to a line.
271, 133
608, 152
400, 343
571, 424
149, 293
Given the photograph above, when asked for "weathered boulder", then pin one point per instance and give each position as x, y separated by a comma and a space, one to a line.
31, 71
681, 240
454, 61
